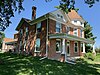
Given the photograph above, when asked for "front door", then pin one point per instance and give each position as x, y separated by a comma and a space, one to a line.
68, 48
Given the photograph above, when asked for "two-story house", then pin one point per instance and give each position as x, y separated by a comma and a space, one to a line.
55, 35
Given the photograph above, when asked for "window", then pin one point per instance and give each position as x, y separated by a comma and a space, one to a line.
59, 16
58, 27
75, 21
20, 45
38, 27
68, 30
75, 47
21, 33
81, 47
81, 33
68, 47
75, 31
37, 45
58, 45
26, 31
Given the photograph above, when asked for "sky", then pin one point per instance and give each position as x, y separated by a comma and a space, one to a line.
91, 15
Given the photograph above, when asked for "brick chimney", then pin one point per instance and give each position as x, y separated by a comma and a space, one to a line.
33, 12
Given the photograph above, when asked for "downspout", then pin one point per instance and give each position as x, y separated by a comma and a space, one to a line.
47, 40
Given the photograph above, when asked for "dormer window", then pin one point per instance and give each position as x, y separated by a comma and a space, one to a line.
59, 16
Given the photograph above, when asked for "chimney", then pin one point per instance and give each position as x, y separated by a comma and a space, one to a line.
33, 12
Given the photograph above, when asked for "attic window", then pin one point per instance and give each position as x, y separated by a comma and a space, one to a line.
59, 16
75, 21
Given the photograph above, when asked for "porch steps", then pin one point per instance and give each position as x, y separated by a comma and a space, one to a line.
71, 60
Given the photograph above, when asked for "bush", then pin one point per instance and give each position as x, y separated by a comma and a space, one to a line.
89, 56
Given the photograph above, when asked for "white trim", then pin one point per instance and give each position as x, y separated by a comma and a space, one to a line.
63, 46
58, 23
67, 48
83, 47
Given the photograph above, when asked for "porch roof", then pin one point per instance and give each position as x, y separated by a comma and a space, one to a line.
70, 37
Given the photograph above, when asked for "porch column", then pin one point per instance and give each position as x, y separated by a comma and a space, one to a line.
83, 47
63, 46
63, 58
93, 48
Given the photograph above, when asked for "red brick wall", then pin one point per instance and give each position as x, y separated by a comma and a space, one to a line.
52, 26
79, 33
52, 48
71, 48
71, 31
63, 28
43, 38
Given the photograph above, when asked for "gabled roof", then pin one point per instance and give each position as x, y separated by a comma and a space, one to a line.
21, 22
73, 15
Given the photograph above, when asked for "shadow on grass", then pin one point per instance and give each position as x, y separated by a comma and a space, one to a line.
14, 64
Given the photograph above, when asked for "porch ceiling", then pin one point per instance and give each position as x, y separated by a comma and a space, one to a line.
70, 37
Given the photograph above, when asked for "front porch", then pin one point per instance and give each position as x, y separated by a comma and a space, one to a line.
69, 45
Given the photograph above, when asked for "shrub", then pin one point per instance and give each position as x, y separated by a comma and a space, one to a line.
89, 56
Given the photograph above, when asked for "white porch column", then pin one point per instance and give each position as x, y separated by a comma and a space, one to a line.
83, 47
63, 46
93, 48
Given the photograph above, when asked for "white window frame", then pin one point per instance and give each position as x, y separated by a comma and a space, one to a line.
38, 26
67, 48
75, 31
57, 23
26, 29
59, 46
75, 46
35, 45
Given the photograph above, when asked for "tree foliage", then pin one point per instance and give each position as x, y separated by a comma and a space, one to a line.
88, 35
2, 35
8, 8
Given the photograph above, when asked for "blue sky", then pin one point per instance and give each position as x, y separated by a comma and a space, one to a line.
92, 15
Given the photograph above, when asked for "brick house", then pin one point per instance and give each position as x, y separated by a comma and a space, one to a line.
55, 35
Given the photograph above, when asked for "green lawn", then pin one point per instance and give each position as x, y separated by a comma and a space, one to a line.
27, 65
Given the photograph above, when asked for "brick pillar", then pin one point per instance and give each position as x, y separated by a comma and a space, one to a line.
79, 49
72, 48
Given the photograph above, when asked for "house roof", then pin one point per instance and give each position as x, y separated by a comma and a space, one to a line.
21, 22
73, 15
6, 40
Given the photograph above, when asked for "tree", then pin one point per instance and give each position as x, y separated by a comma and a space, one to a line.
9, 7
2, 35
88, 35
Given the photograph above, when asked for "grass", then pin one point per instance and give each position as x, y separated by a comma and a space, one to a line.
13, 64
